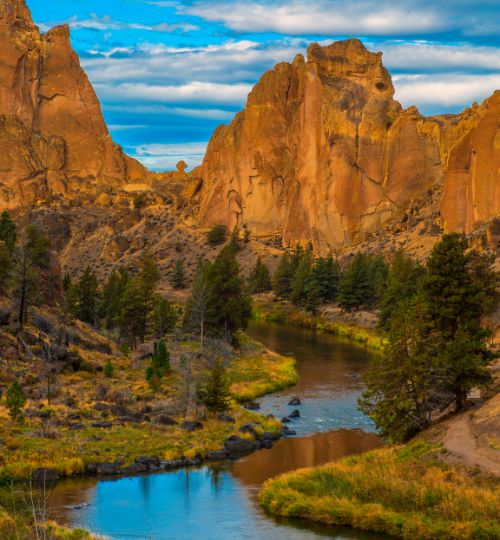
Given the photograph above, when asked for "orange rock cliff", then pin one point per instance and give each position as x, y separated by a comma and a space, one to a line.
321, 154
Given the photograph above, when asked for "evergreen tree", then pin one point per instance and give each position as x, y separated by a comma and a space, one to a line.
234, 241
229, 301
296, 258
378, 271
217, 235
216, 395
246, 234
326, 273
260, 278
313, 299
6, 267
164, 317
88, 297
403, 281
108, 369
15, 401
405, 385
37, 245
109, 293
454, 297
355, 289
282, 279
7, 229
178, 278
160, 366
299, 293
66, 282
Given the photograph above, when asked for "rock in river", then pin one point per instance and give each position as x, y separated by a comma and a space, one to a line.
252, 405
237, 444
44, 474
287, 432
294, 414
284, 420
294, 401
247, 428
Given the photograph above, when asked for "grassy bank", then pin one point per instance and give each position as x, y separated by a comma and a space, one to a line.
292, 315
37, 443
406, 492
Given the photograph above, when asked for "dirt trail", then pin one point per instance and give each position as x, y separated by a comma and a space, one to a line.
460, 442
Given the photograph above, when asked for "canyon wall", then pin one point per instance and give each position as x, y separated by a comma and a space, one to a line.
53, 138
323, 154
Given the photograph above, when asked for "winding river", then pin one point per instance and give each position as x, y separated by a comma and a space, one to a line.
218, 501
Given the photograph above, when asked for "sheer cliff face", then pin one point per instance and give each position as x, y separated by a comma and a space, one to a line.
53, 138
323, 153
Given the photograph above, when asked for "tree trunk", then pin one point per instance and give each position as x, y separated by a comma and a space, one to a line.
201, 336
22, 302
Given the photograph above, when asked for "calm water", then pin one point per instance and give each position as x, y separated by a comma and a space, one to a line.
219, 501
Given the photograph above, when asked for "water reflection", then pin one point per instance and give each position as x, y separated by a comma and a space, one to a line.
219, 501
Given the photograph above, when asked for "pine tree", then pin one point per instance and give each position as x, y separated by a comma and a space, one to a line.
164, 317
216, 395
178, 278
313, 299
234, 241
160, 366
260, 279
282, 279
88, 297
296, 258
7, 229
66, 282
108, 369
37, 245
15, 401
109, 293
6, 267
378, 271
403, 281
299, 293
355, 288
230, 303
454, 298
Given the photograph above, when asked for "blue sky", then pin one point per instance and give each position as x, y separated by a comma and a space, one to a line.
168, 72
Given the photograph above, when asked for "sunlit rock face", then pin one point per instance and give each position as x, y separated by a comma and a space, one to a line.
53, 138
324, 154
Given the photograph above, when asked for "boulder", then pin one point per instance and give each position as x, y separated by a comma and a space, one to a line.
191, 425
252, 405
271, 416
248, 429
294, 401
284, 420
294, 414
135, 468
270, 436
107, 468
102, 425
77, 427
147, 461
226, 418
119, 244
238, 444
287, 432
91, 468
138, 242
267, 444
163, 420
217, 455
44, 474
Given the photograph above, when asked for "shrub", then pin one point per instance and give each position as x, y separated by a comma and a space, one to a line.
217, 235
125, 350
87, 366
139, 201
178, 247
16, 400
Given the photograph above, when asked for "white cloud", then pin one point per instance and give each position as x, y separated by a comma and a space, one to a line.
452, 90
206, 114
113, 127
164, 157
194, 92
326, 17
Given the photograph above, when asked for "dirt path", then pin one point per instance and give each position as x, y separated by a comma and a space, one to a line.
461, 443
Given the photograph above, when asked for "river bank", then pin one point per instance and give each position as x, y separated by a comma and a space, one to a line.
110, 419
267, 309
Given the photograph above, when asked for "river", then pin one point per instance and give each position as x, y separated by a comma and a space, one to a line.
218, 501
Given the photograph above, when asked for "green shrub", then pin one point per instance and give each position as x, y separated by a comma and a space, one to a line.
108, 369
217, 235
15, 401
87, 366
139, 201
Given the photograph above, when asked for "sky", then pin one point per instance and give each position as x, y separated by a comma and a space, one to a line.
168, 73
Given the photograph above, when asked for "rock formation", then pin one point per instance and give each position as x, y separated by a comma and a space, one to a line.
53, 138
323, 154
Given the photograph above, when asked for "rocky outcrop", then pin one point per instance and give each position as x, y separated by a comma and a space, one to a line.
53, 138
324, 155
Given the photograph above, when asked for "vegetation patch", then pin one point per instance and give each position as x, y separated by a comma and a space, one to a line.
402, 491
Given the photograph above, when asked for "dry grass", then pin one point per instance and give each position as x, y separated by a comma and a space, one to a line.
405, 492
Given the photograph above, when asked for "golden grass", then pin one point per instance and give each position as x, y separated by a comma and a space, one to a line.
297, 317
405, 492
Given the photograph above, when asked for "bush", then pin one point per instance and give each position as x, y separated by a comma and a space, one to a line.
125, 350
139, 201
217, 235
87, 366
178, 247
15, 401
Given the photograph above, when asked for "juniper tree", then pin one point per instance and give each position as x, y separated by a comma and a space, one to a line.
260, 279
160, 366
88, 297
108, 369
313, 298
66, 282
164, 317
15, 401
246, 234
7, 229
355, 289
377, 271
216, 395
234, 241
178, 278
298, 294
326, 273
217, 235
